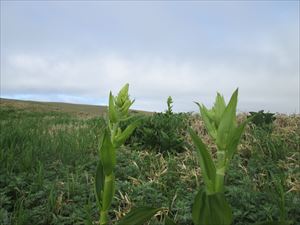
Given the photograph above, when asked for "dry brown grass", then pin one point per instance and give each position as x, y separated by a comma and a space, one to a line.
79, 110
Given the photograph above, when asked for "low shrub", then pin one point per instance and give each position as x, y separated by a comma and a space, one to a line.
262, 120
161, 132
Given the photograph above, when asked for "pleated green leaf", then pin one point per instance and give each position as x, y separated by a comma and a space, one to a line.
219, 108
120, 139
198, 207
219, 210
108, 191
107, 154
125, 107
211, 209
234, 140
122, 96
206, 163
138, 216
227, 122
112, 112
211, 129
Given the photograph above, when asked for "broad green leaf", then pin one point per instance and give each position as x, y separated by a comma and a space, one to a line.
125, 107
99, 183
112, 113
126, 118
219, 210
169, 221
120, 139
108, 191
211, 129
198, 207
122, 96
234, 139
227, 122
138, 216
206, 163
107, 154
211, 209
219, 108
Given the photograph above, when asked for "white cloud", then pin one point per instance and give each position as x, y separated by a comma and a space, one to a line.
186, 50
152, 80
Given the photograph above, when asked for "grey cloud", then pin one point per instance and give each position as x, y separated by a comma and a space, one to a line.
78, 52
152, 80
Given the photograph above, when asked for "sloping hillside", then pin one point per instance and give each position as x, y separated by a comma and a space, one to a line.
77, 109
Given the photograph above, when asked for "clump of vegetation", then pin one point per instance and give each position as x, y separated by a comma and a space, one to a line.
262, 120
210, 206
162, 132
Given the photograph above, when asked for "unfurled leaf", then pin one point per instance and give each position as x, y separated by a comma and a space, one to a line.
219, 108
206, 163
122, 96
220, 210
112, 112
107, 154
125, 107
109, 191
138, 216
197, 208
210, 126
120, 139
211, 209
227, 122
234, 139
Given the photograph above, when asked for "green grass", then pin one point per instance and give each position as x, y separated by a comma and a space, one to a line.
48, 159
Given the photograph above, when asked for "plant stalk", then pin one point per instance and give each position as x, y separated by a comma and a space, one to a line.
108, 193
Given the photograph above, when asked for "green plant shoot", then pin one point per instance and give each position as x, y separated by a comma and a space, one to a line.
112, 138
170, 105
210, 206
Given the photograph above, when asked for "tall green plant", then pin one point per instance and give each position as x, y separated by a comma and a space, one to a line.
210, 206
112, 138
162, 132
170, 105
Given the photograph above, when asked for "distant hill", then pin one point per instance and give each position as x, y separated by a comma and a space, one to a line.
77, 109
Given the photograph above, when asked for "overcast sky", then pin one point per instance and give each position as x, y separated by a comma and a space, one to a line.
75, 51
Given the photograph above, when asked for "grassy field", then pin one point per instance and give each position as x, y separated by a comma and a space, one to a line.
48, 156
78, 110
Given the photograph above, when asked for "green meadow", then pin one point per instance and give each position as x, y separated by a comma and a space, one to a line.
49, 155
